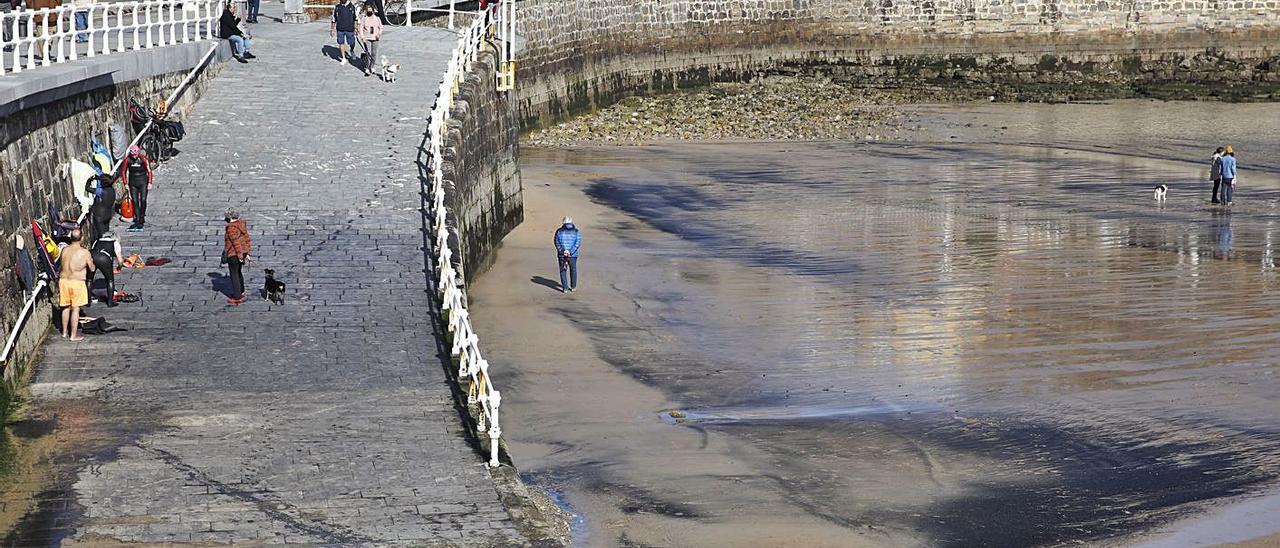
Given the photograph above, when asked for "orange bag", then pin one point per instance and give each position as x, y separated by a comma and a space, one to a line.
126, 207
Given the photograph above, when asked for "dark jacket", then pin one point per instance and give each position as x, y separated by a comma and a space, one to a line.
229, 25
236, 241
344, 17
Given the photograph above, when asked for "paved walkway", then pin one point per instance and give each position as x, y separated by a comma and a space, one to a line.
327, 420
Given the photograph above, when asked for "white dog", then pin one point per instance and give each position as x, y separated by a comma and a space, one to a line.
389, 70
1159, 192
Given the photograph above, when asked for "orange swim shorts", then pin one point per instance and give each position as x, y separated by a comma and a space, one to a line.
72, 293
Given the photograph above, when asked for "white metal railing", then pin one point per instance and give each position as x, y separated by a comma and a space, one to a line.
472, 366
47, 36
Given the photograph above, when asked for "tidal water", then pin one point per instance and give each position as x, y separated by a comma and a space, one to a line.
975, 339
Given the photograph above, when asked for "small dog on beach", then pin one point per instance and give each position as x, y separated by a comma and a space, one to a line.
274, 288
389, 70
1159, 191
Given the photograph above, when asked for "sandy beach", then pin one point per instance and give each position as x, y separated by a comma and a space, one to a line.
867, 387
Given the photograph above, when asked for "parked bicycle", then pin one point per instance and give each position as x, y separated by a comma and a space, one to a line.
159, 138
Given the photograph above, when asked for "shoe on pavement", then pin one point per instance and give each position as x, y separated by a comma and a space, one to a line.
248, 55
241, 59
342, 61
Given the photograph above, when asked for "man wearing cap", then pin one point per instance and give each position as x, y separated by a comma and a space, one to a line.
568, 240
1228, 174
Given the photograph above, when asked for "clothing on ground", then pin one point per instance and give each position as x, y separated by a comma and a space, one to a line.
568, 239
72, 292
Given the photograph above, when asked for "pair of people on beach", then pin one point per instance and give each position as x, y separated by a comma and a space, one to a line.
347, 25
1222, 171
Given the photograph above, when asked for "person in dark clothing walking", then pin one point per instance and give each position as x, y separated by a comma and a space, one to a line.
568, 240
106, 253
229, 30
253, 6
1215, 174
137, 172
236, 247
343, 25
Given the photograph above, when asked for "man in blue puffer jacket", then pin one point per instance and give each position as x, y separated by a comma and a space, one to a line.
568, 240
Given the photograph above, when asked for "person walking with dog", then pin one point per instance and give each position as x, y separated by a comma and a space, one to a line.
1228, 163
568, 240
74, 268
236, 247
370, 35
343, 26
1215, 174
137, 173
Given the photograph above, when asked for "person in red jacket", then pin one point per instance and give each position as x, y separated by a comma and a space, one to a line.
137, 172
236, 252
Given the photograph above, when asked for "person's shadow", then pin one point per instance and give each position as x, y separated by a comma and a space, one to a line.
331, 52
221, 283
553, 284
357, 62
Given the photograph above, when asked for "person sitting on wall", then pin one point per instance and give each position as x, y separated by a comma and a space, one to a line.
229, 29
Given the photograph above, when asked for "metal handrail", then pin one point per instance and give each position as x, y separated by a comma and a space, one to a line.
47, 36
453, 298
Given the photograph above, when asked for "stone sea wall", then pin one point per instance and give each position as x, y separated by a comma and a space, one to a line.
481, 168
47, 125
580, 56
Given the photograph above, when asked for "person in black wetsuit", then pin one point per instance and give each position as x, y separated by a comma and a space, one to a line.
105, 252
104, 203
137, 169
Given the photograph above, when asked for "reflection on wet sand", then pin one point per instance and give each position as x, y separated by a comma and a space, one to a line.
947, 345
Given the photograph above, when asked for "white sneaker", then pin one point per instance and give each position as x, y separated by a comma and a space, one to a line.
342, 61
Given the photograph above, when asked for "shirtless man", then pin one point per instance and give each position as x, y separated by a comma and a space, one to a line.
74, 267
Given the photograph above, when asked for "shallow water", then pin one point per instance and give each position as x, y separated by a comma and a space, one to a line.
952, 344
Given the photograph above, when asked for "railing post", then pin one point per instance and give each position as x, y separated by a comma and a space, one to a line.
495, 432
146, 11
408, 13
89, 28
120, 28
451, 11
137, 42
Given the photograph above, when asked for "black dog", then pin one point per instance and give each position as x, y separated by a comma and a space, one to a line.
274, 287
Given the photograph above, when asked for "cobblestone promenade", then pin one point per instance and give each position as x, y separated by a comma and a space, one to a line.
327, 420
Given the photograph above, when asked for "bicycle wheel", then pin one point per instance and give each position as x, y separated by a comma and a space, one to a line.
164, 146
149, 145
395, 12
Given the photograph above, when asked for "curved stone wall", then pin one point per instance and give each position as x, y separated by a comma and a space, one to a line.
583, 55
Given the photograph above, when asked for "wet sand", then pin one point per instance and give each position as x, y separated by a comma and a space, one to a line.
885, 344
